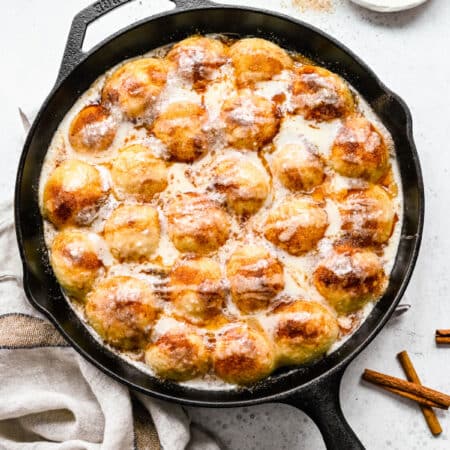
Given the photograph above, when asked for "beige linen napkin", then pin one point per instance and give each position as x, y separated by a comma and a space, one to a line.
51, 398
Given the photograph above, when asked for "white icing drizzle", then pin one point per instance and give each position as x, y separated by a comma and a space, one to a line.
199, 177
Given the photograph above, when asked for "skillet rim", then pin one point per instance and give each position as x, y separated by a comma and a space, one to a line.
384, 317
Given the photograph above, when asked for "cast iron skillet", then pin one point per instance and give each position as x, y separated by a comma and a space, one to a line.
315, 388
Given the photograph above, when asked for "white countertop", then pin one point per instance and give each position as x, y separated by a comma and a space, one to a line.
410, 53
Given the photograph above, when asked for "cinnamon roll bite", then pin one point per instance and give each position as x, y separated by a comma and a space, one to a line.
359, 150
92, 130
368, 215
255, 278
136, 85
73, 194
298, 167
183, 129
179, 354
303, 331
349, 278
256, 59
197, 223
243, 354
122, 310
76, 261
297, 225
244, 184
250, 121
320, 95
137, 174
132, 232
198, 58
197, 290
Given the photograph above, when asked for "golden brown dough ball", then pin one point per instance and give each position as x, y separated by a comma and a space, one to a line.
243, 354
359, 150
183, 128
256, 59
76, 262
298, 167
368, 215
297, 225
303, 331
197, 223
92, 130
122, 310
250, 121
350, 278
132, 232
179, 354
73, 194
245, 186
196, 289
319, 94
198, 57
137, 174
136, 85
255, 277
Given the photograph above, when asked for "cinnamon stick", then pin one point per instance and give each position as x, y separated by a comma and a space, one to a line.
442, 337
427, 411
420, 400
406, 386
442, 332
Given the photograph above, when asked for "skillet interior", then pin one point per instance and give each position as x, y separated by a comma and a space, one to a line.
42, 287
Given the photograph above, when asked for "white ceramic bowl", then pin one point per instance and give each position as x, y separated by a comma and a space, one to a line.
389, 5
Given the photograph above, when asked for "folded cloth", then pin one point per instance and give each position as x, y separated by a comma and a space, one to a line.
51, 398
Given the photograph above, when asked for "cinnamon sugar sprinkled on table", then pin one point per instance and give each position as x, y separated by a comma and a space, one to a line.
316, 5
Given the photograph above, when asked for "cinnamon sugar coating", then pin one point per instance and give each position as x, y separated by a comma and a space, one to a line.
219, 208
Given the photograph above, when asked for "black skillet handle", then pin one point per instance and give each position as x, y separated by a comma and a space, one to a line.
321, 403
73, 53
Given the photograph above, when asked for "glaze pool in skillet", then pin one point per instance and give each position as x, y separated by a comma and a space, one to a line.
220, 208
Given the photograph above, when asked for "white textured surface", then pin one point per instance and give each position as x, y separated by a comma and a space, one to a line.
409, 52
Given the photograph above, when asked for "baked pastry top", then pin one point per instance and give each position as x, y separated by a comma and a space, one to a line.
219, 208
